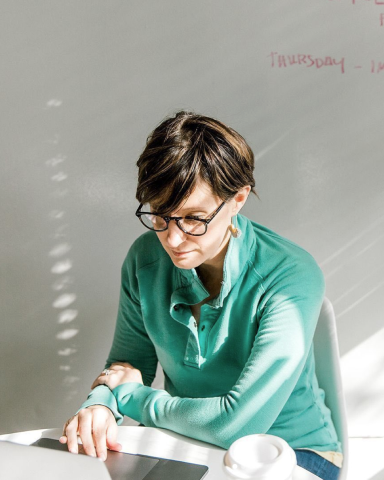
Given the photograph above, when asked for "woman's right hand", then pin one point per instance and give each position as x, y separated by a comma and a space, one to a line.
97, 428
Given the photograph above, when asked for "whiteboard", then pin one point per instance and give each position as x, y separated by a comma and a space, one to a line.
83, 83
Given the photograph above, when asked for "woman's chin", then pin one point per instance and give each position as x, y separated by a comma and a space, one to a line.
184, 261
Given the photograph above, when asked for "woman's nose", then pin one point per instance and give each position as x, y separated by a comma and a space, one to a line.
175, 236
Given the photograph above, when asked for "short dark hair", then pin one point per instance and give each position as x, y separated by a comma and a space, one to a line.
185, 148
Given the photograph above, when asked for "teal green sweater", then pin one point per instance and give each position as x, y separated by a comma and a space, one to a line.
248, 367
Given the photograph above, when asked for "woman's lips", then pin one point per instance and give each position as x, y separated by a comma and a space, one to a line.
181, 254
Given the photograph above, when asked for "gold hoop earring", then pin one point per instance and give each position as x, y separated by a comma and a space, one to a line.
235, 231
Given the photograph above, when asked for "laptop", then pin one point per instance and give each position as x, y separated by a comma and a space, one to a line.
53, 461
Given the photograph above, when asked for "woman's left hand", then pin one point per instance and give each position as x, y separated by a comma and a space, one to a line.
117, 374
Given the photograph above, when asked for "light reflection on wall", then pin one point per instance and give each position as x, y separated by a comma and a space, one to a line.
363, 379
362, 361
62, 264
348, 256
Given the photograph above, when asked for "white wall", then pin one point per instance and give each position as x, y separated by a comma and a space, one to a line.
83, 83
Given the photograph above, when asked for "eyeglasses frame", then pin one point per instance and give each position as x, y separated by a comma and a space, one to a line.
167, 219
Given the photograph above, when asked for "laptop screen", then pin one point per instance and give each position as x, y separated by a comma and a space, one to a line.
126, 466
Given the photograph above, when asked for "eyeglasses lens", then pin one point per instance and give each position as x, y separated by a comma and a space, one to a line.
154, 222
192, 226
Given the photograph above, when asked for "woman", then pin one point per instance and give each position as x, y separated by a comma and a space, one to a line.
228, 308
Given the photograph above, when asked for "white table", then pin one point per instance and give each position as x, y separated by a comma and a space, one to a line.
159, 443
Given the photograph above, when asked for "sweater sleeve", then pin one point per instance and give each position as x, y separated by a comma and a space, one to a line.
131, 342
287, 316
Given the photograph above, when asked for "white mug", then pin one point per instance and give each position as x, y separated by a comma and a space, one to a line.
261, 457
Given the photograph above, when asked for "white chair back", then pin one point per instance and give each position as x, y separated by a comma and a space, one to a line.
327, 358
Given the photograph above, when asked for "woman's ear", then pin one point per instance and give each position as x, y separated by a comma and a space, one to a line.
240, 198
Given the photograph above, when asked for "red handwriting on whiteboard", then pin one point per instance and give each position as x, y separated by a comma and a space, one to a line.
373, 2
376, 2
308, 61
377, 67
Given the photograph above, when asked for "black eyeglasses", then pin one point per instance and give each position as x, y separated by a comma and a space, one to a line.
190, 225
